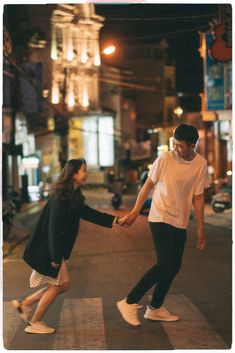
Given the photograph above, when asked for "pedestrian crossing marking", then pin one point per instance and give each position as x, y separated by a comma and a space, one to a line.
11, 323
81, 325
192, 331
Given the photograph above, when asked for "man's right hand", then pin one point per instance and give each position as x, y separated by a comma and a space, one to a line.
130, 218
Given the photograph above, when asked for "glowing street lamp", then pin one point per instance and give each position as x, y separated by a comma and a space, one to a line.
178, 112
109, 50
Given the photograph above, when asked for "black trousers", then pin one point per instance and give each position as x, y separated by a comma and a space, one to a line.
169, 244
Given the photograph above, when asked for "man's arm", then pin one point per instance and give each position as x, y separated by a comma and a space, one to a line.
142, 196
198, 203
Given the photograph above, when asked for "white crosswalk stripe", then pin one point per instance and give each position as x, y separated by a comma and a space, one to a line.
192, 331
81, 325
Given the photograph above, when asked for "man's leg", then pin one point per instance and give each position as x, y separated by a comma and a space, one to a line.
128, 307
172, 250
154, 275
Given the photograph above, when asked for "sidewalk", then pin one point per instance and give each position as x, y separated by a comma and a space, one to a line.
97, 198
21, 226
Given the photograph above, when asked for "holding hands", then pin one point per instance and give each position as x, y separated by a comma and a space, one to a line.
127, 220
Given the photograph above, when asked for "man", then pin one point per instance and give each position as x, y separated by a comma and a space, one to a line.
179, 178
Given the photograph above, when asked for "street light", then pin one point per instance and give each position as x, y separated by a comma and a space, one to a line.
109, 50
178, 111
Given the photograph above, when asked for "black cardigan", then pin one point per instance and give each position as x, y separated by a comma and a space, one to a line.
56, 232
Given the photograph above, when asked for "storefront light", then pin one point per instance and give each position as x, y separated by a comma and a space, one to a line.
106, 145
30, 162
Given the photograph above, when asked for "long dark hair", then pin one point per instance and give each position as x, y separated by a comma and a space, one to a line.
64, 182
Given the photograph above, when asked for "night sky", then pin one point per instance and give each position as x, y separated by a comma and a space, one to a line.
180, 24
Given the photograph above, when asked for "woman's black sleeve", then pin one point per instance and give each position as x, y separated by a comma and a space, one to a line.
91, 215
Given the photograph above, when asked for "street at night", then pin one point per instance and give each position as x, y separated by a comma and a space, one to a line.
129, 107
104, 266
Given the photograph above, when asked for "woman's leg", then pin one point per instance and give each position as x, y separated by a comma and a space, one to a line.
47, 298
33, 298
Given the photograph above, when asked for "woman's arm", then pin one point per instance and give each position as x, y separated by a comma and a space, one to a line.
91, 215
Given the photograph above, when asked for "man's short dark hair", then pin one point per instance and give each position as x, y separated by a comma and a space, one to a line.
187, 133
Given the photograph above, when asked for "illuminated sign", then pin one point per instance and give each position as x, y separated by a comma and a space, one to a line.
30, 162
214, 79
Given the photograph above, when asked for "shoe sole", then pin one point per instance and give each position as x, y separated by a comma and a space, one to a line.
118, 306
39, 332
170, 320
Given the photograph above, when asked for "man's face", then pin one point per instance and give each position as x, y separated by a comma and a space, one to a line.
183, 149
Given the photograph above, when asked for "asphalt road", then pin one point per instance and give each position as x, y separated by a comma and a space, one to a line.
104, 266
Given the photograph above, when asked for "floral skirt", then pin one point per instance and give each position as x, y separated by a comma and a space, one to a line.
36, 279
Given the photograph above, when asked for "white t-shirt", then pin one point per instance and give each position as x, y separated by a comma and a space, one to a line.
176, 182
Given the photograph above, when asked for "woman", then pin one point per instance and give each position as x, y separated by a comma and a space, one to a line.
52, 241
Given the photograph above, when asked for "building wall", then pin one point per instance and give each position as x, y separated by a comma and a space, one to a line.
147, 62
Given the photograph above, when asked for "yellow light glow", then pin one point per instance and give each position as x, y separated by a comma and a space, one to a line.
85, 100
69, 47
55, 94
97, 60
54, 55
178, 111
109, 50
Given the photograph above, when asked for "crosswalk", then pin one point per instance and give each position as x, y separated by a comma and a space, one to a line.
81, 326
192, 331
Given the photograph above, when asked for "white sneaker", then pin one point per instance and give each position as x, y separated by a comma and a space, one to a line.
129, 312
160, 314
39, 327
23, 310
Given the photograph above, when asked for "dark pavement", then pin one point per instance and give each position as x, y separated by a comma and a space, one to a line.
104, 265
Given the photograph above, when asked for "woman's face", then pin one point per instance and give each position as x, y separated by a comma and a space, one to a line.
79, 178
